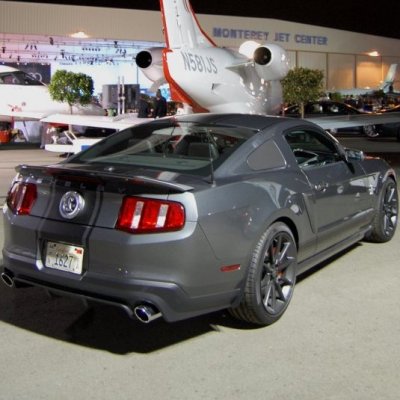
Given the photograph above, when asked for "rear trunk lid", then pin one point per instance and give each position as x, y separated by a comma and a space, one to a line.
100, 190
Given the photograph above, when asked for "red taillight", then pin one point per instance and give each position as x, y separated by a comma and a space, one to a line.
143, 215
21, 197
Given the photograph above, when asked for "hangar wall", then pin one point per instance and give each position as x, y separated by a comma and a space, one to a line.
97, 22
342, 55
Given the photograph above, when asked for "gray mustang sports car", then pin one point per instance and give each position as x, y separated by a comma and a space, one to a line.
184, 216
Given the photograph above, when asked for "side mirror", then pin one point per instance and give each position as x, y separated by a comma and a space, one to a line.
353, 155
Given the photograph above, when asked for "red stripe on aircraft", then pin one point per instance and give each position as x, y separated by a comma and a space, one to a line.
177, 93
198, 25
189, 8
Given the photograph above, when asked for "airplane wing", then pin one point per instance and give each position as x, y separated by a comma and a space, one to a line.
76, 144
96, 121
21, 116
349, 121
18, 114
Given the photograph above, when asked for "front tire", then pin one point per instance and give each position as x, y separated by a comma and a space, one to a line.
271, 277
385, 220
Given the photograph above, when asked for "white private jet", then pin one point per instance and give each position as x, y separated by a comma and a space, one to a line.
23, 97
205, 77
386, 86
211, 78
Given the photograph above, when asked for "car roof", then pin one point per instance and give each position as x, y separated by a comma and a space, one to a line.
250, 121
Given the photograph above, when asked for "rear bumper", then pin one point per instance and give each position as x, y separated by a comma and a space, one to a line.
178, 273
169, 298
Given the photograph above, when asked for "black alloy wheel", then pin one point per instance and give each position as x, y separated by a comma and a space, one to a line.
385, 221
271, 277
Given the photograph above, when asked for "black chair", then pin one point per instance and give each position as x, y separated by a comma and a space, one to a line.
203, 150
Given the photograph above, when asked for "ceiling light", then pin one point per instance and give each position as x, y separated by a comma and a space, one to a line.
373, 53
79, 35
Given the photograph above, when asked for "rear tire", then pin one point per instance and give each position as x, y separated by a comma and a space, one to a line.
370, 131
271, 277
385, 220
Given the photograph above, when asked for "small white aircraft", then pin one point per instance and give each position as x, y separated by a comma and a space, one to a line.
211, 78
205, 77
386, 86
23, 97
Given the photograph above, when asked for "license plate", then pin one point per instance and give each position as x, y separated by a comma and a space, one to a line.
64, 257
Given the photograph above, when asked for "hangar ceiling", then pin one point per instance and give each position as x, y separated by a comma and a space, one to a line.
15, 48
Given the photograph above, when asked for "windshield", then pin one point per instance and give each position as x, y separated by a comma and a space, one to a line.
18, 78
168, 145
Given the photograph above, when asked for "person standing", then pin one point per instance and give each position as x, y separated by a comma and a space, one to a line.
143, 107
160, 109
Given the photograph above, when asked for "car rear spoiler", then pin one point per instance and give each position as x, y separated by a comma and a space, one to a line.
101, 176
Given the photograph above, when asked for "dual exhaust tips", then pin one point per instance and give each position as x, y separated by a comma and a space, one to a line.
145, 313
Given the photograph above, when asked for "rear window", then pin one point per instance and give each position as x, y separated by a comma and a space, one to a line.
168, 145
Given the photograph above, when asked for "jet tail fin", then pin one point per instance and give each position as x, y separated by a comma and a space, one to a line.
387, 85
181, 28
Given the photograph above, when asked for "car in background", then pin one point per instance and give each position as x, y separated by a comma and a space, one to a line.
187, 215
392, 129
326, 108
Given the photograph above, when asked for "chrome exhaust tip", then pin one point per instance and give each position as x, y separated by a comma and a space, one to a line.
146, 313
7, 280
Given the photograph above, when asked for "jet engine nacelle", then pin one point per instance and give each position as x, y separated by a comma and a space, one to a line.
271, 61
150, 63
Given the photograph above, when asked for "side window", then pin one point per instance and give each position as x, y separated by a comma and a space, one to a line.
335, 109
313, 108
312, 148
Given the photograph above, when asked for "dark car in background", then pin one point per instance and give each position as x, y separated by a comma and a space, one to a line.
326, 108
392, 129
187, 215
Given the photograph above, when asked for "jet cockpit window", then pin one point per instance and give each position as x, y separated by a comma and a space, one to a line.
18, 78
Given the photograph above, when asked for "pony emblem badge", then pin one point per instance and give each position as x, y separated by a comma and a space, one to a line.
71, 204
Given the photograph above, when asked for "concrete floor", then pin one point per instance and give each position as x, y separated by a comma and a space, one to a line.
338, 340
